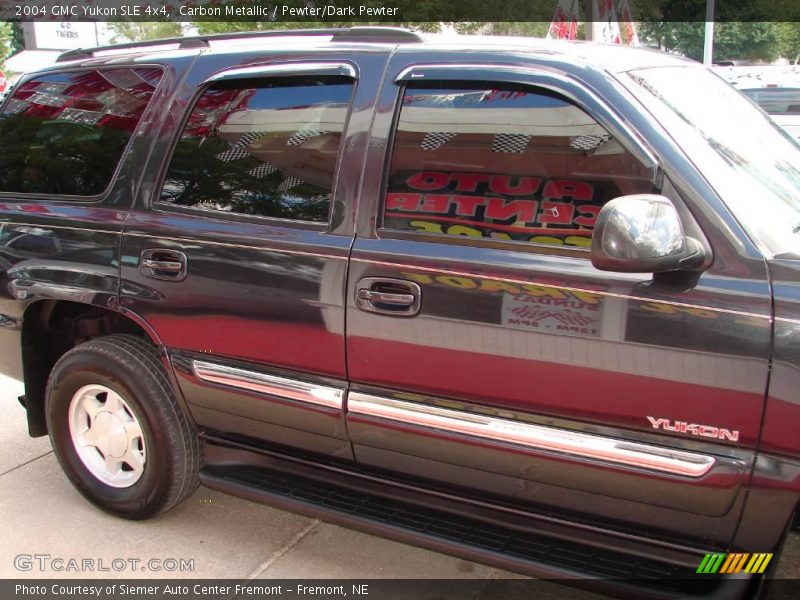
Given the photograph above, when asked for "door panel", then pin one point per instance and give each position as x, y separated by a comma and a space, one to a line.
465, 353
245, 250
557, 380
259, 301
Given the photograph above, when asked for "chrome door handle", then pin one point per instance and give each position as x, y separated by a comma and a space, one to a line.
163, 263
388, 296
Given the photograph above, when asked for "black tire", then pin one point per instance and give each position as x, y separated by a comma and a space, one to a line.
132, 368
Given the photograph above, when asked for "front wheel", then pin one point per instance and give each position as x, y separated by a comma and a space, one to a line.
118, 430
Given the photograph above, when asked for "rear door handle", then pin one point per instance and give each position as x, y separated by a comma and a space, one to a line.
388, 296
164, 264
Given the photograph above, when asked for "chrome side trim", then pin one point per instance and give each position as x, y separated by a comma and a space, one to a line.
253, 381
584, 445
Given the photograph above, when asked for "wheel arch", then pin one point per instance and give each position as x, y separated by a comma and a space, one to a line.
52, 327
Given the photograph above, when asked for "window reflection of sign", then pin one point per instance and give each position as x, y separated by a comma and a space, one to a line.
459, 99
497, 206
113, 99
70, 129
552, 315
497, 285
268, 151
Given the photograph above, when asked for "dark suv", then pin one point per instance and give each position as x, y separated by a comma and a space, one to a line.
536, 304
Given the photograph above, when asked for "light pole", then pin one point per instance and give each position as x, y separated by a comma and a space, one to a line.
708, 46
590, 24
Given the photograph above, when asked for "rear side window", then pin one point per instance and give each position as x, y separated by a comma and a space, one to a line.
266, 148
506, 163
65, 133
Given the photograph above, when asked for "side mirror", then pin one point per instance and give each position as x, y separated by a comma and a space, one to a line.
642, 233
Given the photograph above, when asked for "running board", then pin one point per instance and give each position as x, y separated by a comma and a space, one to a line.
482, 540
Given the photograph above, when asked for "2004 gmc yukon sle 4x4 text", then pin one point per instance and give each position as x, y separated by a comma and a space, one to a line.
534, 304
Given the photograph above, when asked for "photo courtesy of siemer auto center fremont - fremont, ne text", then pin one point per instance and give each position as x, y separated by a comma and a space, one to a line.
424, 300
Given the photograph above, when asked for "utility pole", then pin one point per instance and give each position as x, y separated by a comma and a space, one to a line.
708, 46
590, 22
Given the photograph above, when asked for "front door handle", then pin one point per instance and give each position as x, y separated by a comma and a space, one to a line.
400, 300
388, 296
164, 264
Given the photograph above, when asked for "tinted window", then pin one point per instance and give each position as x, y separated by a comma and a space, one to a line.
776, 101
265, 149
511, 164
65, 133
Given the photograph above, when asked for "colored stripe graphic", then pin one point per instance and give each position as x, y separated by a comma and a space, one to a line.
758, 563
717, 562
711, 563
734, 563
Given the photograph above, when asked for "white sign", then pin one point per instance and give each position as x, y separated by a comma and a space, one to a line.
553, 315
60, 36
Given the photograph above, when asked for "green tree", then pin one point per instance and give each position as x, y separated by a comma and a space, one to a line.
789, 41
212, 27
138, 31
17, 37
429, 13
757, 41
5, 40
521, 28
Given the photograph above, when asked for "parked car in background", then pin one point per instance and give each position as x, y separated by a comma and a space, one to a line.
532, 303
781, 103
776, 89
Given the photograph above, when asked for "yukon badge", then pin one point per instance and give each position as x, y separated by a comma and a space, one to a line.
708, 431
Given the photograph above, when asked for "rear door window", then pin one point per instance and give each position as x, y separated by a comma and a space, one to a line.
265, 148
64, 134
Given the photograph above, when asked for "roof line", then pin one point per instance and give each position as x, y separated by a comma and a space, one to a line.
364, 34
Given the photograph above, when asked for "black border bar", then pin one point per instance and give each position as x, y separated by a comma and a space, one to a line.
328, 13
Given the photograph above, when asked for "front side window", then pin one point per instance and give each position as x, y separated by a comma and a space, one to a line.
65, 133
750, 162
267, 148
506, 163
